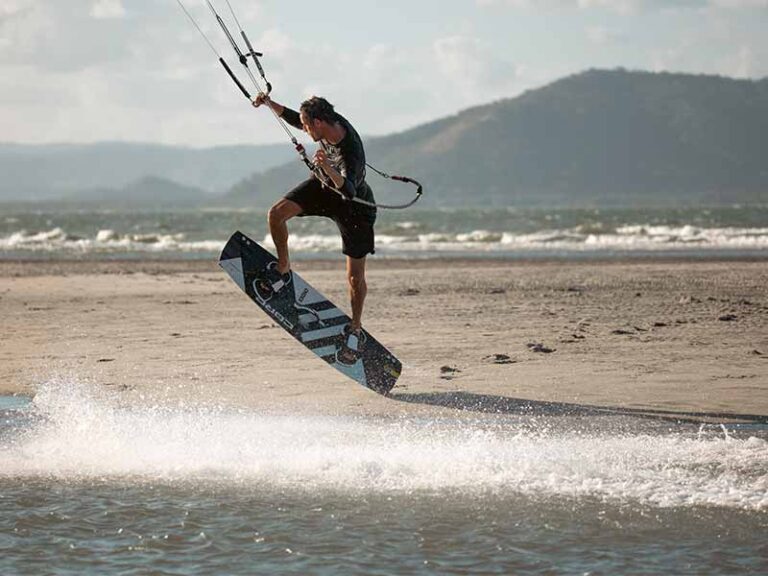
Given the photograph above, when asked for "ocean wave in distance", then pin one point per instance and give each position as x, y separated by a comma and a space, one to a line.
408, 240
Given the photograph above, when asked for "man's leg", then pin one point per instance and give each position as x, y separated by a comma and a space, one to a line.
357, 289
279, 214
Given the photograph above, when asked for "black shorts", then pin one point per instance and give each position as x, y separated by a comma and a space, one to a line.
355, 221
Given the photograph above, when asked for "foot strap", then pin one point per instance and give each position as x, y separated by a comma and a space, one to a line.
353, 341
278, 285
276, 280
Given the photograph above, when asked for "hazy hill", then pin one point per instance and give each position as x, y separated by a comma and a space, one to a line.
600, 137
31, 172
146, 192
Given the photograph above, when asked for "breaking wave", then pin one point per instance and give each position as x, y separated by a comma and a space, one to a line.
408, 241
105, 241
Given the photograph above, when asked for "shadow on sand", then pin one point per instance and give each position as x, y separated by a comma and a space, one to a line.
490, 404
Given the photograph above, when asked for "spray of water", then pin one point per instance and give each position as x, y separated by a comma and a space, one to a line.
74, 431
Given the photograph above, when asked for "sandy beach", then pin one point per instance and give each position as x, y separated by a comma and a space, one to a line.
678, 339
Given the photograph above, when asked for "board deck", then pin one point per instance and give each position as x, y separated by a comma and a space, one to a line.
309, 316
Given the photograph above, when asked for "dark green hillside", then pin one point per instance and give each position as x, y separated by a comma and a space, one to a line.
601, 137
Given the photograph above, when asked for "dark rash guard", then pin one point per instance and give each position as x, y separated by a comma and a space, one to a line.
347, 157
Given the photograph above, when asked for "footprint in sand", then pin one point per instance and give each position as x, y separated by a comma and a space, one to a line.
449, 372
539, 347
500, 359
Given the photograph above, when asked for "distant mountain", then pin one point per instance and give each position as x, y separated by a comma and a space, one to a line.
147, 192
32, 172
596, 138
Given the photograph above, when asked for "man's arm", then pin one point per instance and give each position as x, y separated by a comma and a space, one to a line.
290, 116
341, 181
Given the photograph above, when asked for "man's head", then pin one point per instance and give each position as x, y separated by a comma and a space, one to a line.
317, 115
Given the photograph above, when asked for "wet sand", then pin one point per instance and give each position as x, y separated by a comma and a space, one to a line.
682, 340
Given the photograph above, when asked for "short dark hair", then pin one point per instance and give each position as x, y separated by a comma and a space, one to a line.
317, 108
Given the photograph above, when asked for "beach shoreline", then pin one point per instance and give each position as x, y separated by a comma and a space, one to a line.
679, 339
59, 266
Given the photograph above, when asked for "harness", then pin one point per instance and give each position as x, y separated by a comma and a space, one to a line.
242, 57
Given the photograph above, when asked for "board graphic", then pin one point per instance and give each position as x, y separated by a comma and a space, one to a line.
309, 316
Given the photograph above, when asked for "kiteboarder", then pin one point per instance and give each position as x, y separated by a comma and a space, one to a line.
341, 158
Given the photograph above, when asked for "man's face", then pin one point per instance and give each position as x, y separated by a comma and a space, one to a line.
311, 127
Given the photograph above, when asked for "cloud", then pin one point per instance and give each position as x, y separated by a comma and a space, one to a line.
745, 62
621, 6
512, 3
635, 6
739, 3
9, 8
93, 70
388, 85
602, 35
626, 6
65, 36
472, 62
105, 9
110, 69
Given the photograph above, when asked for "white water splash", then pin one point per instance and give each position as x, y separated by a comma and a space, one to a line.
78, 432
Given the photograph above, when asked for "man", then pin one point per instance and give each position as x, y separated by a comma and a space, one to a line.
342, 159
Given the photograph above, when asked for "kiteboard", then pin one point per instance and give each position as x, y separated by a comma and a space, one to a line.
309, 317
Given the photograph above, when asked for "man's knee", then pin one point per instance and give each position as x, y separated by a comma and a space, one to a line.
282, 211
357, 281
276, 215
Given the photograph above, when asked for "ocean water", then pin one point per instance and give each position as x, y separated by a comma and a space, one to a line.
91, 486
415, 233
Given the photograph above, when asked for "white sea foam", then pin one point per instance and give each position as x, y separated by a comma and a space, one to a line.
77, 432
104, 241
407, 225
639, 237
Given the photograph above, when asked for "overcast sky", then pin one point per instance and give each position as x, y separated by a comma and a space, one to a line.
137, 70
